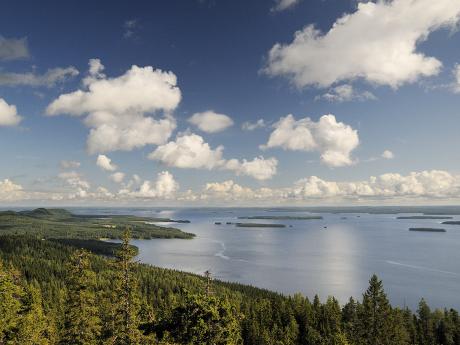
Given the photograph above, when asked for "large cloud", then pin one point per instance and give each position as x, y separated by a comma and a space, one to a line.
210, 121
191, 151
52, 77
118, 109
8, 114
334, 140
13, 48
377, 43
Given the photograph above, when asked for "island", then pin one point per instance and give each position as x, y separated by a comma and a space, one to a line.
427, 229
282, 217
259, 225
424, 217
47, 223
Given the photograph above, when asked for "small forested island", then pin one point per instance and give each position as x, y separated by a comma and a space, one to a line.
452, 222
427, 229
60, 223
282, 217
424, 217
259, 225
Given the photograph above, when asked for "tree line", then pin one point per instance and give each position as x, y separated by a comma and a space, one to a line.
53, 293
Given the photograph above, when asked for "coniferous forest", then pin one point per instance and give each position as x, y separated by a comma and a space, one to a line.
52, 292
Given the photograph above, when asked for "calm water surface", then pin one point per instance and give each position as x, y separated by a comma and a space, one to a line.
333, 256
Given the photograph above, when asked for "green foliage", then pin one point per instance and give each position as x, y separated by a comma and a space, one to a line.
206, 320
58, 223
55, 290
82, 322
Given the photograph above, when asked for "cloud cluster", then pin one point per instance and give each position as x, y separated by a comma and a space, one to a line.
191, 151
10, 191
432, 184
334, 140
118, 110
345, 93
164, 187
8, 114
377, 43
13, 48
52, 77
210, 121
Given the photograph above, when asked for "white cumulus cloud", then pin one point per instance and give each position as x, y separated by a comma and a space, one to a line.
334, 140
164, 187
188, 151
191, 151
211, 122
10, 190
377, 43
8, 114
119, 110
105, 163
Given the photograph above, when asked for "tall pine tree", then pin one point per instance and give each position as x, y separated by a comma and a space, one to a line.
82, 322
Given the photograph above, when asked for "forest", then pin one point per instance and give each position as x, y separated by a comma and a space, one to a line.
60, 223
54, 292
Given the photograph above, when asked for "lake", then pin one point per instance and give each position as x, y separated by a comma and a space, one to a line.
333, 256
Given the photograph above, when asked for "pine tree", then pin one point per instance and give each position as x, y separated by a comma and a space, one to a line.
127, 298
82, 323
374, 315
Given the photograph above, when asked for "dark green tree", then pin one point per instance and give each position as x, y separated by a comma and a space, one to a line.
126, 296
425, 326
82, 322
374, 315
204, 320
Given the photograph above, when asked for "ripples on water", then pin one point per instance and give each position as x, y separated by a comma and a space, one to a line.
333, 256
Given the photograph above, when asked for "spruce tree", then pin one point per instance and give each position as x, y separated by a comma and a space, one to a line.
127, 298
82, 323
374, 315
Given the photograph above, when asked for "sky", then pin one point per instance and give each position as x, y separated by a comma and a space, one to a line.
222, 103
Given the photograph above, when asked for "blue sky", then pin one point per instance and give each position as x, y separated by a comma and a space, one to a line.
97, 101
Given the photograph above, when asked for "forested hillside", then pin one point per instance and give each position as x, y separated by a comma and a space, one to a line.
52, 293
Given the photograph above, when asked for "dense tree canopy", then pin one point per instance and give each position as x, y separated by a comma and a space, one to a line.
53, 293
